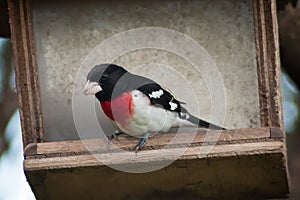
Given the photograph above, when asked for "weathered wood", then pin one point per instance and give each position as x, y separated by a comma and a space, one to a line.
155, 142
73, 160
245, 163
228, 171
254, 164
268, 63
27, 80
276, 133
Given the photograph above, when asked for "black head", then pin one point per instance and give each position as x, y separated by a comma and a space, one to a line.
103, 77
103, 71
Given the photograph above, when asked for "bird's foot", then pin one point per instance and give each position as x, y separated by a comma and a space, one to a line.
141, 144
109, 139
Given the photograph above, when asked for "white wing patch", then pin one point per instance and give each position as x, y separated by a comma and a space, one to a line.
156, 94
185, 115
173, 105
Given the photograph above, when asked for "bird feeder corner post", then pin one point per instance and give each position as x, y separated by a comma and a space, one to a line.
26, 71
269, 72
268, 63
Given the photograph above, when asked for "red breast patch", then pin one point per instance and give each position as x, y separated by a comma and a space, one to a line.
119, 109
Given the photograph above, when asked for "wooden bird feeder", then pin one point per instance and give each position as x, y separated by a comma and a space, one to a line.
50, 41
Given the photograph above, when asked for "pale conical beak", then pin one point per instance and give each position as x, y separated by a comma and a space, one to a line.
91, 88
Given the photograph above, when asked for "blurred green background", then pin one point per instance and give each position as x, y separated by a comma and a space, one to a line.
13, 184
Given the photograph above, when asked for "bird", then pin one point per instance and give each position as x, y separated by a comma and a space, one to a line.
137, 105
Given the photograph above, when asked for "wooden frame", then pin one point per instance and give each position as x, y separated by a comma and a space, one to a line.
259, 151
27, 80
268, 63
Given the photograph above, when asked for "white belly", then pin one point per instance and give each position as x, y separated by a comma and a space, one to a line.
148, 118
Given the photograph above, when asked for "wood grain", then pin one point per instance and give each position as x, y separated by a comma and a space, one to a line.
247, 163
268, 63
156, 142
234, 171
126, 157
27, 79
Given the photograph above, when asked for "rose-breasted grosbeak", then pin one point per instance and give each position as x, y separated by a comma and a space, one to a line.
137, 105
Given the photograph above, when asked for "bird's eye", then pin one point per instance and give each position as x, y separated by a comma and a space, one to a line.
104, 76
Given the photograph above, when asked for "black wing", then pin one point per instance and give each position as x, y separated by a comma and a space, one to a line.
162, 98
157, 95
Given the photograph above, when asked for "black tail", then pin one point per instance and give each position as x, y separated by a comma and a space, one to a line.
199, 122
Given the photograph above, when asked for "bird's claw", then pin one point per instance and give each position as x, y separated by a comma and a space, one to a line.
110, 137
141, 144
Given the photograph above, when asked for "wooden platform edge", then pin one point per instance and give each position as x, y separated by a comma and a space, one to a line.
241, 163
90, 152
147, 156
187, 137
227, 171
